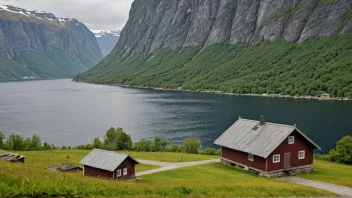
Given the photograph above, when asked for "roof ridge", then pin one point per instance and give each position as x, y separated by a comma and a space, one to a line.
111, 151
286, 125
267, 122
248, 120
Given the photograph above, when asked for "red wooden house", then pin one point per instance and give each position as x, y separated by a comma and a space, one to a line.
109, 164
266, 148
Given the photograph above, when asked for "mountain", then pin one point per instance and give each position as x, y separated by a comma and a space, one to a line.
291, 47
106, 40
37, 44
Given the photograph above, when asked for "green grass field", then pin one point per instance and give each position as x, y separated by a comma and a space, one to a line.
75, 156
216, 180
331, 172
43, 159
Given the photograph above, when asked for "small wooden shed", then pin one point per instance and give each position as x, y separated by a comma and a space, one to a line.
109, 164
266, 148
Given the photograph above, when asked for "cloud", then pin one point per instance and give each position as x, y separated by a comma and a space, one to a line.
96, 14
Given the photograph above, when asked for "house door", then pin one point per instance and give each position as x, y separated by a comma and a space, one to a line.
287, 160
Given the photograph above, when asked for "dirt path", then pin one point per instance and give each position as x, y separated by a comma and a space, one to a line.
169, 166
341, 190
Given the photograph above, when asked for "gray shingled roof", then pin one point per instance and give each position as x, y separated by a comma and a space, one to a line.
260, 142
105, 160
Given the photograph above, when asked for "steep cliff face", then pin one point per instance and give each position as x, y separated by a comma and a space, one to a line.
155, 24
291, 47
38, 44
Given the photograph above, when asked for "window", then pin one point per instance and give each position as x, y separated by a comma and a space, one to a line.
301, 154
118, 173
276, 158
250, 157
124, 171
291, 139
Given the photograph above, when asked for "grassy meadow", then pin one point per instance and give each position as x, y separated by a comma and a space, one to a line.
31, 179
53, 157
331, 172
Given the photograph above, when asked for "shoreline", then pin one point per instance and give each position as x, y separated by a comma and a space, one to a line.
31, 80
234, 94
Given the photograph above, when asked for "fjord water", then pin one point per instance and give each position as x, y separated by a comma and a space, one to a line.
63, 112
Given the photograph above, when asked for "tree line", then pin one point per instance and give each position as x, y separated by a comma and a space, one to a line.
16, 142
117, 140
114, 140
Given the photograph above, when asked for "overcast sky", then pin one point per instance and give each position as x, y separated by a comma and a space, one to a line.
96, 14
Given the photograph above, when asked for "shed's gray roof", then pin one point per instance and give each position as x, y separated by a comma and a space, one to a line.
260, 142
105, 160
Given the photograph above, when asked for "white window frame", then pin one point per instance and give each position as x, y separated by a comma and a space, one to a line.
250, 157
291, 139
124, 171
303, 154
276, 158
118, 173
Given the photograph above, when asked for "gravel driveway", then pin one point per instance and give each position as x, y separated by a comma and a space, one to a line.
341, 190
169, 166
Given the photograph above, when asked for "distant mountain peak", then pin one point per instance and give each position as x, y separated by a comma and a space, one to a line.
37, 13
103, 33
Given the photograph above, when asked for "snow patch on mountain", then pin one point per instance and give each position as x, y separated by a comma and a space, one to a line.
37, 14
17, 10
103, 33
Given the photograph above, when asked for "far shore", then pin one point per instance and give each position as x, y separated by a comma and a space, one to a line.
236, 94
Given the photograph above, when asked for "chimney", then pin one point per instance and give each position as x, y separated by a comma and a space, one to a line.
262, 120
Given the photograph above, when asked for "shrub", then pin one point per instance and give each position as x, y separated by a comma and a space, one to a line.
210, 151
191, 145
343, 151
117, 139
175, 148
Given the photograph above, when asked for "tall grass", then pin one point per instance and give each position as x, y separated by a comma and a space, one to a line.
216, 180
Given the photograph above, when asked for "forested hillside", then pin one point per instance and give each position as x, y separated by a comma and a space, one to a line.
268, 46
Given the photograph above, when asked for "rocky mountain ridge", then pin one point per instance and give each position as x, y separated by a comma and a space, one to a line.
39, 44
155, 24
